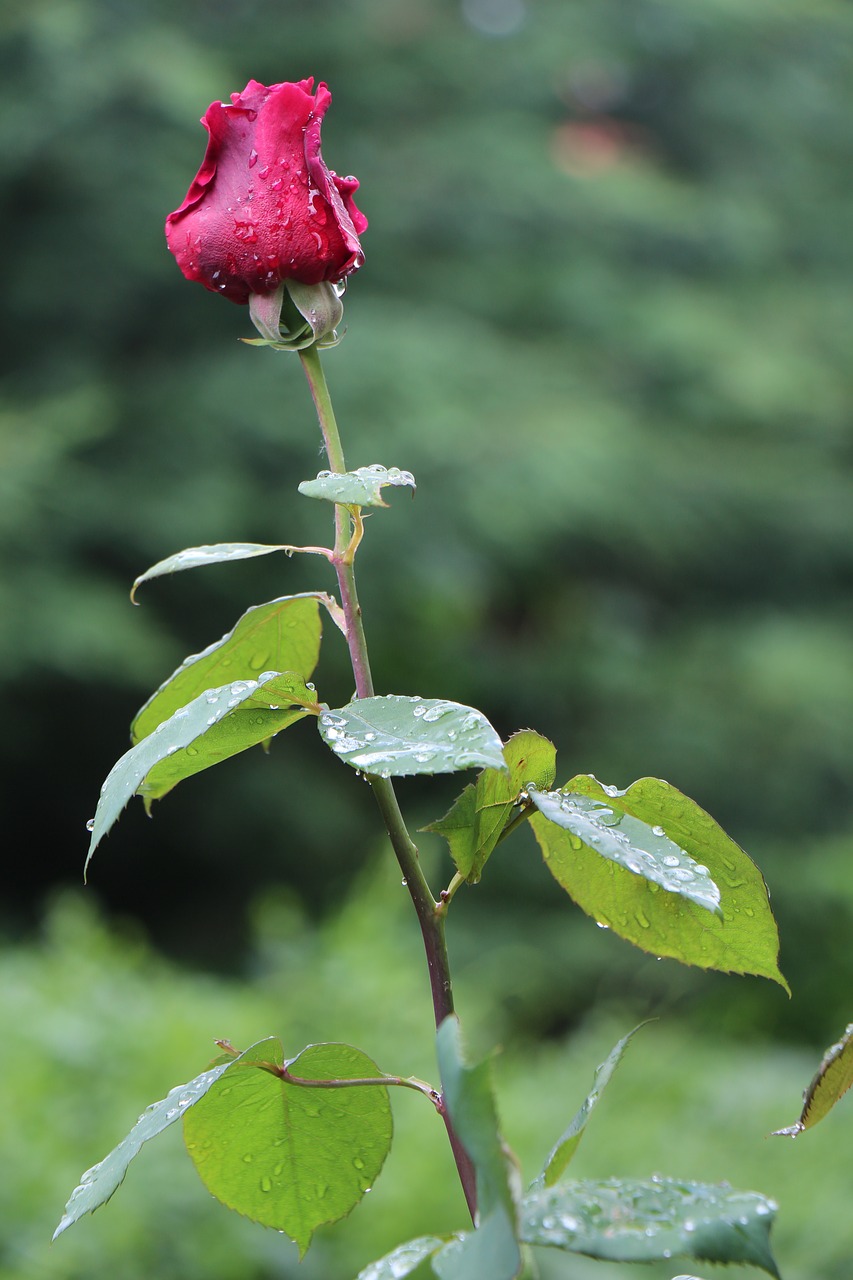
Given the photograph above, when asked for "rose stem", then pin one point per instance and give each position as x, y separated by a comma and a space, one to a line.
430, 913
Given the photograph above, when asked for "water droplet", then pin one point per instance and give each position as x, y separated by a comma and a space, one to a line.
358, 1163
321, 1190
658, 831
247, 1158
90, 825
253, 158
266, 1183
192, 751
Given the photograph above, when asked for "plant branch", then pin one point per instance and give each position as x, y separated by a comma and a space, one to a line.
429, 912
403, 1082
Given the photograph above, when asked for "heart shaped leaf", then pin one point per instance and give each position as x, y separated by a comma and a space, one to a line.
291, 1156
394, 736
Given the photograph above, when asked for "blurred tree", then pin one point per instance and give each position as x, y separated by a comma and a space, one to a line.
604, 319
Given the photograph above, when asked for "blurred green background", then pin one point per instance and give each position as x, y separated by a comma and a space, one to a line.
605, 319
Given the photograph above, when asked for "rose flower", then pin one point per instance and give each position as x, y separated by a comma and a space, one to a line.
263, 208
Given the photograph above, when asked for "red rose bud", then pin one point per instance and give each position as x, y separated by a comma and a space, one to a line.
263, 208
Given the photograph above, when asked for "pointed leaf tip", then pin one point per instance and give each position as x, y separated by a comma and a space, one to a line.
833, 1078
566, 1146
100, 1182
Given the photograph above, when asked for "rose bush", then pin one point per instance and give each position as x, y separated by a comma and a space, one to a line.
263, 208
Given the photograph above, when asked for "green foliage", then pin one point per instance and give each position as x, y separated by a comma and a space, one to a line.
479, 817
492, 1249
283, 635
631, 1221
562, 1153
395, 736
87, 1052
833, 1078
639, 847
403, 1260
360, 488
215, 725
290, 1156
198, 557
100, 1182
744, 939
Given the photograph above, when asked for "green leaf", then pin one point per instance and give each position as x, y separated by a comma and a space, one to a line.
640, 848
99, 1183
196, 557
624, 1220
291, 1156
744, 940
403, 1260
834, 1077
492, 1249
394, 736
282, 635
567, 1145
215, 725
359, 488
477, 820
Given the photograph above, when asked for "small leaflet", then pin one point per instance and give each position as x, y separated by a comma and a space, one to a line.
197, 557
396, 736
361, 488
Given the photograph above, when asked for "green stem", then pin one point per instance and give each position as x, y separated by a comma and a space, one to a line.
403, 1082
429, 912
